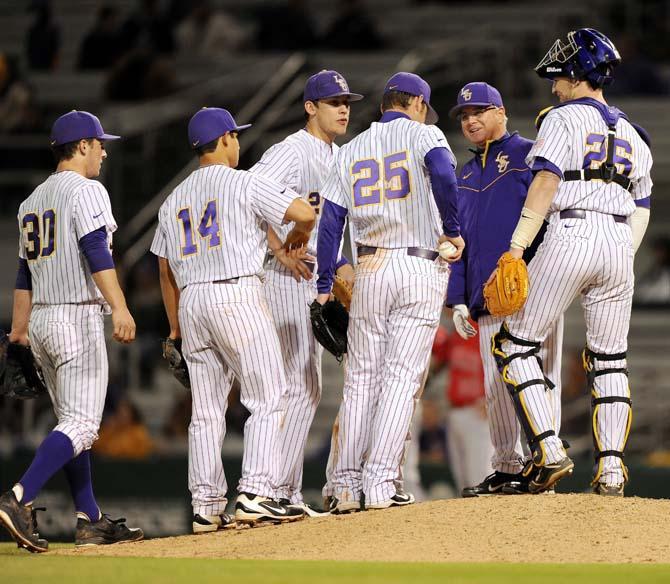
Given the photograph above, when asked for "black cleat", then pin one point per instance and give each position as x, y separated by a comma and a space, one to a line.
498, 483
21, 523
254, 509
398, 500
549, 474
608, 490
105, 531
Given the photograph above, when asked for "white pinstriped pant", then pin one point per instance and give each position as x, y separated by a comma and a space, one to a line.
592, 257
395, 311
227, 328
508, 454
68, 341
289, 304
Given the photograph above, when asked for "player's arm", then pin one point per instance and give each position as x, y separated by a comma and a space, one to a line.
23, 302
331, 228
301, 213
540, 195
444, 185
95, 247
170, 293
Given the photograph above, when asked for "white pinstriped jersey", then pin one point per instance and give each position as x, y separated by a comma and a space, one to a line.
52, 220
573, 136
301, 162
211, 226
381, 179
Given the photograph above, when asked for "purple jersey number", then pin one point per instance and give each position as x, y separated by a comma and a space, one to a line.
34, 232
314, 199
597, 153
208, 228
366, 175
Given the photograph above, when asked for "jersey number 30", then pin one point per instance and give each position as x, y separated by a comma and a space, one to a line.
366, 176
207, 229
39, 234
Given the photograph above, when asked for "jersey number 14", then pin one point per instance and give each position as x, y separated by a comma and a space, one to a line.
208, 228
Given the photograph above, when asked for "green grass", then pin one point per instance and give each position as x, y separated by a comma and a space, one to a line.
17, 566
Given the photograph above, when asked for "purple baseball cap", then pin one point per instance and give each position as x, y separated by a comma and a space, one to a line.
414, 85
326, 84
209, 123
476, 94
77, 125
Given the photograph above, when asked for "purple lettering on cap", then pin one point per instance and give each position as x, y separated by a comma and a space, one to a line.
326, 84
77, 125
414, 85
476, 94
210, 123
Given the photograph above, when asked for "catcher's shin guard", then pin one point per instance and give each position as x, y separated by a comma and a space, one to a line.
515, 389
590, 360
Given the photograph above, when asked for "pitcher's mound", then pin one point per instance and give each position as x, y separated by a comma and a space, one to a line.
541, 528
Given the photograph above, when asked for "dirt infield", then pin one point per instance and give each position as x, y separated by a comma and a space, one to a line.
543, 528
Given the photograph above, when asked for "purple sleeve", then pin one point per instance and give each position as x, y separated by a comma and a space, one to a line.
331, 227
445, 189
341, 262
24, 280
95, 247
646, 203
456, 287
544, 164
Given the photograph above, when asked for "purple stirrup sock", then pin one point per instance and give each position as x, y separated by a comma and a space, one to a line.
54, 452
78, 473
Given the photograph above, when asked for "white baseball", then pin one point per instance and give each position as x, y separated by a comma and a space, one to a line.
447, 250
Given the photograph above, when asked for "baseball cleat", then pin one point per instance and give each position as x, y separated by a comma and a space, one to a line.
306, 508
398, 500
338, 507
254, 509
209, 523
105, 531
21, 523
549, 474
608, 490
498, 483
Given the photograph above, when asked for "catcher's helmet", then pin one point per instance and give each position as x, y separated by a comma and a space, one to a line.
587, 54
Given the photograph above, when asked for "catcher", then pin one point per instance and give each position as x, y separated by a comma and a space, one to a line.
492, 189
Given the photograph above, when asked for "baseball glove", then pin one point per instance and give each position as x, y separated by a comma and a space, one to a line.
21, 377
507, 291
342, 291
329, 325
173, 355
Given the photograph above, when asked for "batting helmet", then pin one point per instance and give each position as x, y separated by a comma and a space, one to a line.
588, 55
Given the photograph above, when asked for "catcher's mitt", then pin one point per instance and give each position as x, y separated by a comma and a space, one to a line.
173, 355
21, 377
507, 291
342, 291
329, 325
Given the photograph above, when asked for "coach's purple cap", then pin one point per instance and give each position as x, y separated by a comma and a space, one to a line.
209, 123
77, 125
326, 84
414, 85
476, 94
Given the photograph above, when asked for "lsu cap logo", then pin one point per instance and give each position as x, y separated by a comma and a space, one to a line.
466, 94
341, 82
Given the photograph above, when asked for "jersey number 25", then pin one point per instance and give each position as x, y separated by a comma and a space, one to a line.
366, 176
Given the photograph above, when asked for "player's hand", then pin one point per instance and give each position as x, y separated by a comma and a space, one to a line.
516, 252
124, 325
19, 337
458, 243
463, 327
296, 238
323, 298
294, 261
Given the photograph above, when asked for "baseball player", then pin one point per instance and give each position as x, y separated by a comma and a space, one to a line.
301, 162
492, 188
211, 243
66, 283
396, 182
592, 179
